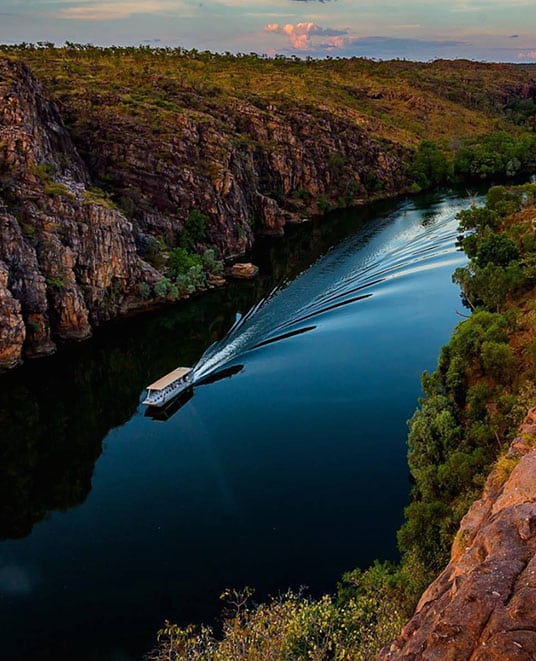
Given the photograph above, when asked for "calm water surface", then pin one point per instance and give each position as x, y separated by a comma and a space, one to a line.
287, 472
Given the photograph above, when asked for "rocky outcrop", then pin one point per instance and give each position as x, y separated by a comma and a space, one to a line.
67, 261
249, 169
244, 270
12, 331
483, 605
211, 175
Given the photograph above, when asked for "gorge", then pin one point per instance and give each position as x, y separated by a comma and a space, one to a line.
124, 189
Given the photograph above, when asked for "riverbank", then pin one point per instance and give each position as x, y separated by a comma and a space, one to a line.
473, 405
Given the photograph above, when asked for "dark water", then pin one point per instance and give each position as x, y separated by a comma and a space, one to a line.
286, 473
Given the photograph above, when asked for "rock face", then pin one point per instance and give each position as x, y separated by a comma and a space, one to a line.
67, 261
70, 259
483, 606
12, 331
249, 169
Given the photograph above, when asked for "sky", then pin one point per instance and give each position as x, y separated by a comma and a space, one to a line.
490, 30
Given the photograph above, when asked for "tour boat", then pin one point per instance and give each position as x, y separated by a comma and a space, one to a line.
169, 386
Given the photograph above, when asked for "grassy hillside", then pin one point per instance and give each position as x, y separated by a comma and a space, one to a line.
403, 101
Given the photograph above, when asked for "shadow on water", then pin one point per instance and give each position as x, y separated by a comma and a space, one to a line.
55, 412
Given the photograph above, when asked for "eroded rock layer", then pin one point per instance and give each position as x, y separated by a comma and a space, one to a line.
70, 258
66, 262
483, 605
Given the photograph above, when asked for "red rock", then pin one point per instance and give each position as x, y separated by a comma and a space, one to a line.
483, 605
244, 270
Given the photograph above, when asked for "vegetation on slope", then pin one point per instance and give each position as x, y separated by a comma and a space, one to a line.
202, 151
484, 381
404, 101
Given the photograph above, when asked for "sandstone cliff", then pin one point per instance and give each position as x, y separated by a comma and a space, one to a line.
198, 151
66, 261
70, 258
483, 605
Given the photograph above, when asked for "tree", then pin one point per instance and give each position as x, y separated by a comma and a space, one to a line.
496, 249
430, 166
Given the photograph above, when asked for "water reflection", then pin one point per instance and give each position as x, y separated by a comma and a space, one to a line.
55, 413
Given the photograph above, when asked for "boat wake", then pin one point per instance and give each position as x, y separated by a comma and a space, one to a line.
362, 266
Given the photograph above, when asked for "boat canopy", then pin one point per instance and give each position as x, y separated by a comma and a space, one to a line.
170, 378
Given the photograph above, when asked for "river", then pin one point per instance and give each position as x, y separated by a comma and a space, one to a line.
283, 470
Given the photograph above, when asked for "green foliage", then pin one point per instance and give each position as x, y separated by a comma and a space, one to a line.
55, 282
323, 205
498, 361
180, 261
430, 166
293, 627
193, 231
153, 249
499, 154
164, 288
211, 263
301, 194
478, 218
498, 270
496, 249
144, 291
336, 162
490, 286
55, 189
189, 282
44, 172
472, 399
187, 271
96, 195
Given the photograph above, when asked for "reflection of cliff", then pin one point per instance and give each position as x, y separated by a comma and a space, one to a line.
54, 414
482, 606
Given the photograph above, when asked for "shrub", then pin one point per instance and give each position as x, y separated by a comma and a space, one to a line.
498, 361
181, 261
323, 205
97, 196
211, 263
430, 166
496, 249
194, 228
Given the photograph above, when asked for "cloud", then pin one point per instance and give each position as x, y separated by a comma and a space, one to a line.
391, 47
118, 10
300, 34
319, 42
527, 55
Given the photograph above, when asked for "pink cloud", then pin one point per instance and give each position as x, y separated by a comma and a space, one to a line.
527, 55
300, 34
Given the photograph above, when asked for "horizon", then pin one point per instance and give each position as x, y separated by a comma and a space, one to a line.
421, 30
292, 57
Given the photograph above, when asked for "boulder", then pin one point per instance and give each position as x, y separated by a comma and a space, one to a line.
244, 270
